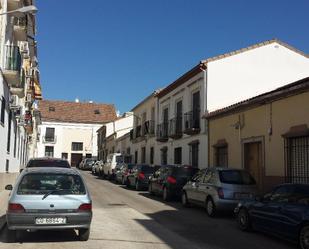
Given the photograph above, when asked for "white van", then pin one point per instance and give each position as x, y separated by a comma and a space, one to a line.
111, 162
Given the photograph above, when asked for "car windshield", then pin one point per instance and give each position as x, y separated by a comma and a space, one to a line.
119, 159
238, 177
48, 163
42, 183
184, 171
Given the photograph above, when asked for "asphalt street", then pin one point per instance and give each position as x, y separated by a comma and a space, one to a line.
125, 218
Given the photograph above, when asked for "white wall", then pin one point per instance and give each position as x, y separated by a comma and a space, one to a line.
251, 73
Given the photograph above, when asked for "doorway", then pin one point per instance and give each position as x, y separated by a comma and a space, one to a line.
76, 158
253, 160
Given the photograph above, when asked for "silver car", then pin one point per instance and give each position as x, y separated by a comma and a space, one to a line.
219, 189
49, 199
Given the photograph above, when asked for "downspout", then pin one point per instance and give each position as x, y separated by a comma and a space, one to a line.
205, 111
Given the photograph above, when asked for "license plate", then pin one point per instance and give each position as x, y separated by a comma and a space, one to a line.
242, 195
50, 221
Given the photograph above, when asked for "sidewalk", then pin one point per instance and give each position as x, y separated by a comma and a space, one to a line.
4, 196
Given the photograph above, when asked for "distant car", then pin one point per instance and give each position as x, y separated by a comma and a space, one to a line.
168, 180
48, 162
122, 174
112, 161
219, 189
284, 212
49, 199
87, 164
139, 176
96, 167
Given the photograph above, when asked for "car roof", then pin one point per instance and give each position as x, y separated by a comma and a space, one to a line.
53, 170
47, 158
225, 168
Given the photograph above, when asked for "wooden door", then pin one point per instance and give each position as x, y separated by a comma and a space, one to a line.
76, 158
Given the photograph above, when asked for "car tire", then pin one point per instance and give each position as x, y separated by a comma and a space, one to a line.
304, 237
184, 199
137, 186
83, 234
210, 207
243, 220
10, 235
166, 194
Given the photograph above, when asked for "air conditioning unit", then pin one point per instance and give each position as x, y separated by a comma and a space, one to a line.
24, 47
29, 97
14, 102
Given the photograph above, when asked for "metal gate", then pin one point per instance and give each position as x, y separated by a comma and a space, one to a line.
297, 159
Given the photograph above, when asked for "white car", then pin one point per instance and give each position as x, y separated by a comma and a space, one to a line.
111, 162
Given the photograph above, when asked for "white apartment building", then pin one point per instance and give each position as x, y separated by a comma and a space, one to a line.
217, 82
19, 87
109, 133
142, 136
69, 129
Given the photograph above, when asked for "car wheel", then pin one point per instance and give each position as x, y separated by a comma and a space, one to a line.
184, 199
10, 235
243, 220
137, 185
166, 194
210, 207
83, 234
304, 237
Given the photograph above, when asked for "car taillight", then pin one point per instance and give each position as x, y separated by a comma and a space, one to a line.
220, 193
141, 175
15, 208
171, 180
86, 207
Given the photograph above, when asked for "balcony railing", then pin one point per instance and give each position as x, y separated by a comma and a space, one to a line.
148, 128
49, 139
175, 128
162, 132
12, 58
192, 122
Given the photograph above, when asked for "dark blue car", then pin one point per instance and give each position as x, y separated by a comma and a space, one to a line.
284, 212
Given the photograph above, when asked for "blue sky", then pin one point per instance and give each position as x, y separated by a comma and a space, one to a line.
120, 51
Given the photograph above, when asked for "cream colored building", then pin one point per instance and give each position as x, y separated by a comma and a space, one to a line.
267, 135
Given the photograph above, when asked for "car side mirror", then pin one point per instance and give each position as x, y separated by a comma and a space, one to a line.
9, 187
21, 170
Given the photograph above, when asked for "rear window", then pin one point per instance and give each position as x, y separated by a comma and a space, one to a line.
238, 177
147, 169
48, 163
184, 171
39, 183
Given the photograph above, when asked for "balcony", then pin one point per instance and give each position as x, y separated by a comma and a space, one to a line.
175, 128
192, 122
162, 132
49, 139
20, 28
12, 70
136, 134
14, 4
148, 128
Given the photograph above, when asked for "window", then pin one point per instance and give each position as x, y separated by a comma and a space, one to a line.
136, 157
164, 156
88, 155
2, 114
97, 111
151, 155
178, 155
128, 151
297, 159
194, 154
51, 109
7, 166
49, 151
50, 134
143, 158
64, 156
8, 145
221, 156
77, 146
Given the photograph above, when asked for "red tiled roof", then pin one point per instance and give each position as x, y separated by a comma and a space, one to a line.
73, 112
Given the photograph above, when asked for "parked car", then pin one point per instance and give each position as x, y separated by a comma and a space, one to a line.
81, 164
117, 171
47, 162
219, 189
87, 164
284, 212
49, 199
168, 180
111, 162
121, 175
96, 167
139, 176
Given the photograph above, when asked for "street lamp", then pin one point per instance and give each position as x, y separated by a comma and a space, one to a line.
31, 9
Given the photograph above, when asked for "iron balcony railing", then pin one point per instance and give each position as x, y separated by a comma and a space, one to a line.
192, 121
175, 127
162, 131
148, 128
12, 58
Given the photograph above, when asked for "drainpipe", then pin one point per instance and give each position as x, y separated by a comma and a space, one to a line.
205, 111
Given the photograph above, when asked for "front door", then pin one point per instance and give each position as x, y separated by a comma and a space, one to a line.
253, 160
76, 158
